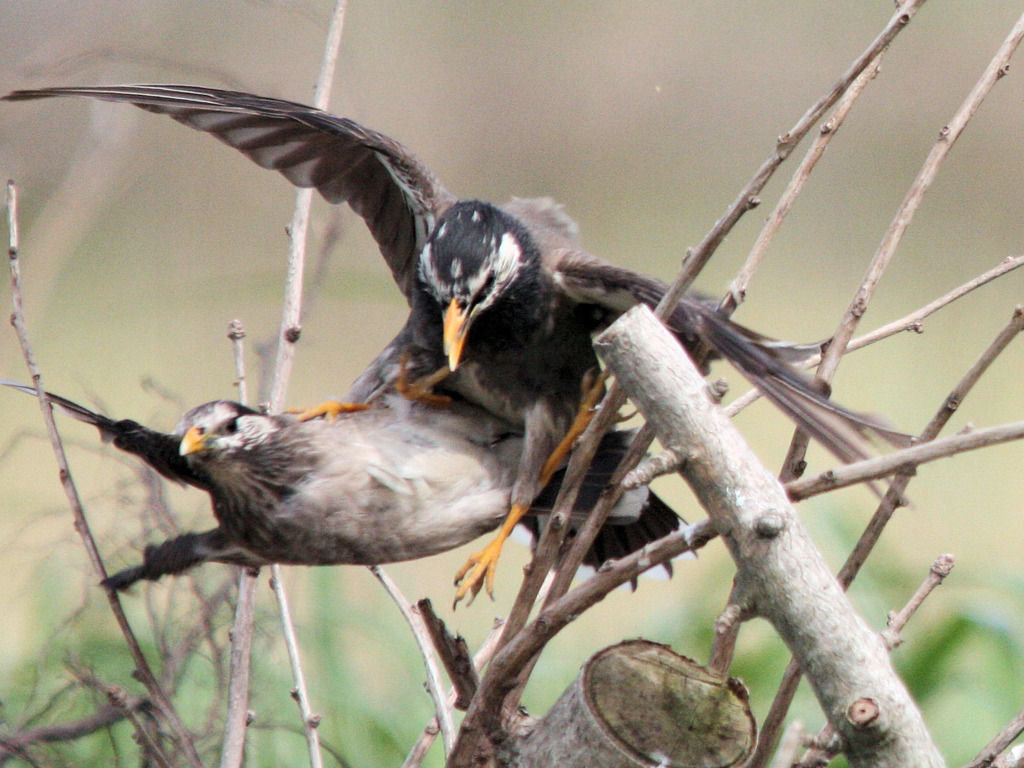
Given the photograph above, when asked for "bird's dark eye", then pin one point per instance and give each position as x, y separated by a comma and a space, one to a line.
231, 426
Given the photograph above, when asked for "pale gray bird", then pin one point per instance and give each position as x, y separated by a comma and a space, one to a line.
399, 481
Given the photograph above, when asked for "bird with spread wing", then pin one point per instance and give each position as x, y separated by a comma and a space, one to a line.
503, 299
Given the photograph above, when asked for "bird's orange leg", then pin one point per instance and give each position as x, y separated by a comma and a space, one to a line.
330, 409
420, 390
481, 566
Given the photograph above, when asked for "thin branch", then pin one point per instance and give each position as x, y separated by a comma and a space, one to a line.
911, 322
999, 744
791, 741
727, 632
310, 720
81, 524
453, 653
903, 461
292, 308
238, 714
738, 288
938, 572
421, 634
290, 329
236, 332
16, 743
748, 196
995, 70
482, 657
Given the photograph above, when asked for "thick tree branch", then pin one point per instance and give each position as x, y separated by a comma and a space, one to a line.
780, 573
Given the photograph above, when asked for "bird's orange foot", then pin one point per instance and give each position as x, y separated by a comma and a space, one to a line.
482, 565
478, 572
421, 390
330, 409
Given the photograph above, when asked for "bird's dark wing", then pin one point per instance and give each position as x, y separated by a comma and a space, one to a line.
397, 196
180, 554
159, 450
639, 518
766, 363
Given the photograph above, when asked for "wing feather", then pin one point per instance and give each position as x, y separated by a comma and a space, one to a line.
382, 180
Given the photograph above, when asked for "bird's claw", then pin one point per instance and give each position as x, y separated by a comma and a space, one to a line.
477, 573
420, 390
329, 409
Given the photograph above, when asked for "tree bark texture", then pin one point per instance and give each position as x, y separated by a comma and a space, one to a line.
639, 705
781, 575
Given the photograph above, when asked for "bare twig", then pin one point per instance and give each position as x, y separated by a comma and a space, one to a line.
143, 670
292, 308
480, 660
310, 720
903, 461
948, 135
453, 653
988, 756
738, 288
289, 335
421, 634
727, 631
748, 196
236, 332
910, 322
936, 575
238, 714
15, 744
913, 321
791, 741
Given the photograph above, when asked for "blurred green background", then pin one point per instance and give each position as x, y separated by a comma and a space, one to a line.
143, 239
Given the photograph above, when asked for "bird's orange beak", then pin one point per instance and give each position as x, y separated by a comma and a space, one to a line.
193, 441
456, 326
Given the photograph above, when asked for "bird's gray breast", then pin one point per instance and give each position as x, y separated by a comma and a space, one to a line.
390, 487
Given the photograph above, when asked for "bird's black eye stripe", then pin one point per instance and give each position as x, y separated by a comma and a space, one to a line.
231, 426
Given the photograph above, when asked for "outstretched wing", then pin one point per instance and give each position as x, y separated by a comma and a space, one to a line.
159, 450
767, 363
397, 196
